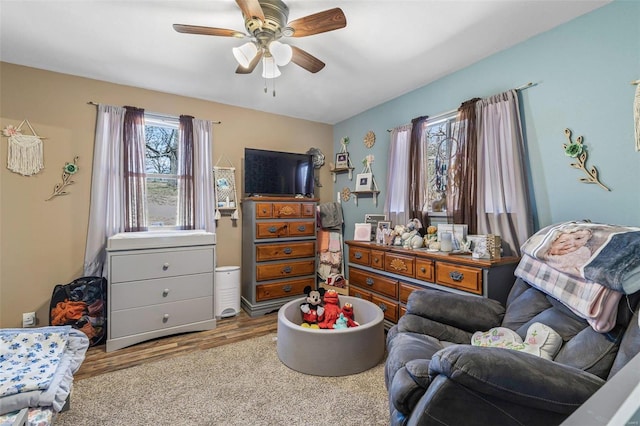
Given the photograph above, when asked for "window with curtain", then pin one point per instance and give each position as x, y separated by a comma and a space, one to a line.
161, 170
396, 204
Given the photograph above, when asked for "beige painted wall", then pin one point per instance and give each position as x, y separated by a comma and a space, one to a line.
42, 242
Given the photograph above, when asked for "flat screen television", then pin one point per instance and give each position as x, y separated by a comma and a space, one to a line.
275, 173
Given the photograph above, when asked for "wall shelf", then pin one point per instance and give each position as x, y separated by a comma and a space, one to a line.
335, 172
374, 195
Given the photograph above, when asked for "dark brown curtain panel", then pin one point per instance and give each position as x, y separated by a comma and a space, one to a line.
417, 173
186, 208
462, 179
134, 148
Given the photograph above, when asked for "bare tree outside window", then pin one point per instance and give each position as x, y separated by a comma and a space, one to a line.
161, 164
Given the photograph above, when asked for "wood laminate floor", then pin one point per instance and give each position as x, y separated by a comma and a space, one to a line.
228, 330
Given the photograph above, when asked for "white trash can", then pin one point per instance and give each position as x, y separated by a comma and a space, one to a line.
226, 293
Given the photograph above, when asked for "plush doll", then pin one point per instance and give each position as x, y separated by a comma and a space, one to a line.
331, 309
341, 322
312, 309
347, 311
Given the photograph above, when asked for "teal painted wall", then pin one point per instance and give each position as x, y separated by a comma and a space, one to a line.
582, 70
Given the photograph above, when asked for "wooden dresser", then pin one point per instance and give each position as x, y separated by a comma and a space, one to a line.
278, 251
386, 275
159, 283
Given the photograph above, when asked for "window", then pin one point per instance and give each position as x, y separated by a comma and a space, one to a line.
161, 166
439, 146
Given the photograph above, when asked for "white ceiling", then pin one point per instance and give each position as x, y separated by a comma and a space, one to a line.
388, 48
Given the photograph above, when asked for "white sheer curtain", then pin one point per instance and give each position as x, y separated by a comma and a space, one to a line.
503, 201
106, 213
203, 176
396, 204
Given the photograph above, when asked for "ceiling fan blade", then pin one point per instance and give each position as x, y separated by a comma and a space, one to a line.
194, 29
252, 65
329, 20
306, 60
251, 9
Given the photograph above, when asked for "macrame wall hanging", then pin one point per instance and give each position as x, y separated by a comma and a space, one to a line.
25, 154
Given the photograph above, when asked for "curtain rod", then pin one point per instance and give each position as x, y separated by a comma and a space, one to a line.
442, 114
155, 113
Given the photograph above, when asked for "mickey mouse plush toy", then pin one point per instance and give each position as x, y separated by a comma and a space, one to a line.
312, 309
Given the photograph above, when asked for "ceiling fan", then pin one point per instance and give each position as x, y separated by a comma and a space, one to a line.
266, 23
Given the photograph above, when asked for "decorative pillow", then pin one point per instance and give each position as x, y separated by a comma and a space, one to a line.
541, 340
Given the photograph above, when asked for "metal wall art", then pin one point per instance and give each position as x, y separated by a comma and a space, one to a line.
579, 151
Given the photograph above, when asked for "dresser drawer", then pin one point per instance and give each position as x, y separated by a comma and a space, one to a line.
360, 256
264, 211
376, 283
460, 277
399, 264
389, 308
128, 322
282, 289
302, 229
308, 210
360, 294
377, 259
424, 270
160, 264
285, 210
272, 229
135, 294
406, 290
289, 250
272, 271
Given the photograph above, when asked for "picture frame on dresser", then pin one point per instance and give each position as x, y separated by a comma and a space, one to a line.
362, 232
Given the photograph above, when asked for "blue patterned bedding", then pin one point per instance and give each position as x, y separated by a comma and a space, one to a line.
37, 366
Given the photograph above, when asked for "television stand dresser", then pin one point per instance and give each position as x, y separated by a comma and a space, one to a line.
159, 283
386, 275
278, 251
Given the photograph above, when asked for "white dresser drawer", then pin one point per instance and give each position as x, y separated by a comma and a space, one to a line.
156, 317
134, 294
160, 264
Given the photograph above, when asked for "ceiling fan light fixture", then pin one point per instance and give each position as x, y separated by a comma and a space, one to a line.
282, 53
245, 53
269, 67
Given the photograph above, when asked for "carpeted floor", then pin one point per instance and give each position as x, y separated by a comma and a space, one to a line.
237, 384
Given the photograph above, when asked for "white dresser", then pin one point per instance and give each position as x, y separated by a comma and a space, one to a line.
159, 283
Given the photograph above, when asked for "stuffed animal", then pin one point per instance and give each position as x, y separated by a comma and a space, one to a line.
312, 309
347, 311
341, 322
331, 309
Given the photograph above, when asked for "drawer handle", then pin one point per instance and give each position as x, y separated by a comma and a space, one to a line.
423, 269
272, 229
369, 281
286, 269
165, 318
302, 228
165, 292
359, 296
382, 306
456, 276
376, 260
286, 288
165, 266
287, 250
357, 255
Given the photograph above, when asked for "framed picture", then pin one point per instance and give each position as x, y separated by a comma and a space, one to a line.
383, 229
373, 219
342, 160
364, 181
362, 232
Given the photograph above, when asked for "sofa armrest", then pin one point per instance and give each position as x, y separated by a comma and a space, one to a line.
466, 312
516, 377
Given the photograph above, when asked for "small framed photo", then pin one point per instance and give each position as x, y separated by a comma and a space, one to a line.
364, 181
383, 229
362, 232
342, 160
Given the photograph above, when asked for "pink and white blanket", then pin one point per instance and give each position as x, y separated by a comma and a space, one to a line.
586, 266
